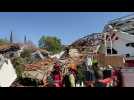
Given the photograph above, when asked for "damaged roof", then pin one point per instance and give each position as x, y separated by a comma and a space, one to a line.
91, 41
38, 65
9, 47
38, 70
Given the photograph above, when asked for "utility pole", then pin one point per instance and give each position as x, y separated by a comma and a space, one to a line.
11, 37
25, 39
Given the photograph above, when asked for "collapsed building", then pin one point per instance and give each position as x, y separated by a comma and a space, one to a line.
84, 46
10, 50
115, 41
112, 46
89, 43
40, 54
38, 70
119, 38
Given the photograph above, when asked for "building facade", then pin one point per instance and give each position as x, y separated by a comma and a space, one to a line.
119, 38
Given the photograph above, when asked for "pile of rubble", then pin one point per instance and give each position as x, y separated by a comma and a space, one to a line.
90, 42
8, 47
38, 65
16, 84
38, 70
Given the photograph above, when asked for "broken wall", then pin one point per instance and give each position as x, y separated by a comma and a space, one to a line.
114, 60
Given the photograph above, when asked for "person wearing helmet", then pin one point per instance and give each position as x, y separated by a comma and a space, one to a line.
57, 76
57, 66
97, 70
70, 77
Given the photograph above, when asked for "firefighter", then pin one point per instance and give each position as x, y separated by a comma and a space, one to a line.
57, 75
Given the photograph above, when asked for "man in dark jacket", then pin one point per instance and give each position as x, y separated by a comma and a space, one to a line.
89, 71
98, 71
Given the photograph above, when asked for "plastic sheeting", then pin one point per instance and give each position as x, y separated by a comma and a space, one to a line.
7, 74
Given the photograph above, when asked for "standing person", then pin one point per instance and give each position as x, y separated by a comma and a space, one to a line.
114, 77
98, 71
70, 77
119, 78
57, 75
48, 81
89, 72
80, 75
66, 82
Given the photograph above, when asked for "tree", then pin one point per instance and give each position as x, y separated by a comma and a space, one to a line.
26, 55
52, 44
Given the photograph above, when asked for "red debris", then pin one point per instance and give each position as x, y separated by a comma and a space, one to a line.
38, 65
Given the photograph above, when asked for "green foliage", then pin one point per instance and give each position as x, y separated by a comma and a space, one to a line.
3, 41
18, 64
52, 44
26, 53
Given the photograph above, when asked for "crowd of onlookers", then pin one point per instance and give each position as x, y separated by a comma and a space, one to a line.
90, 75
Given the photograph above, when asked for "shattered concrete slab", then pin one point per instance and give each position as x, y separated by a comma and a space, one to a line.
38, 70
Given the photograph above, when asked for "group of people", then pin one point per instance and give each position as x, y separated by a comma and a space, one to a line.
97, 76
58, 79
94, 76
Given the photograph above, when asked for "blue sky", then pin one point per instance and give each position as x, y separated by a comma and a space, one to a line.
68, 26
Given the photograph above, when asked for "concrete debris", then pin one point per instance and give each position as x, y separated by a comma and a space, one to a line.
7, 48
58, 56
88, 41
38, 54
38, 70
16, 84
38, 65
10, 50
73, 53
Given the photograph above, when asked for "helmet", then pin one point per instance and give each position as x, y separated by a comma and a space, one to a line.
57, 66
73, 66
